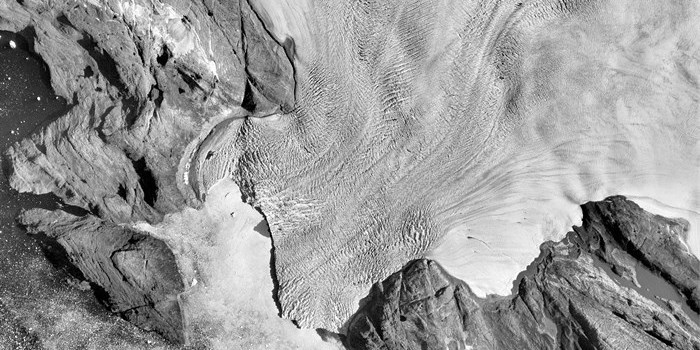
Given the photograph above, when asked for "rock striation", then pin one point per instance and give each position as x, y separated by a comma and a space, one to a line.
581, 293
146, 82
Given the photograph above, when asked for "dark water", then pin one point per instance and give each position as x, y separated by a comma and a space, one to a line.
41, 304
651, 286
26, 102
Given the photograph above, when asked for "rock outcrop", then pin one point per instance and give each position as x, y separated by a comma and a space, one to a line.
146, 83
146, 80
581, 293
134, 274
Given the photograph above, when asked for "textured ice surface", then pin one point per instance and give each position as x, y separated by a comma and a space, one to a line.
466, 132
223, 254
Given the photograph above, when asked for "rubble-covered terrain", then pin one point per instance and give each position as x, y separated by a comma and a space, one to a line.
242, 174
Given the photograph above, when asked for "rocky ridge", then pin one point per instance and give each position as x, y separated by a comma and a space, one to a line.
134, 274
146, 83
581, 293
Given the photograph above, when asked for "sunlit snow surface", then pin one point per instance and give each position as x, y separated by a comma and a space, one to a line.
623, 121
431, 129
224, 253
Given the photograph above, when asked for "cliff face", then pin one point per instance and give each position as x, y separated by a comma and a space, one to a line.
585, 292
370, 134
144, 81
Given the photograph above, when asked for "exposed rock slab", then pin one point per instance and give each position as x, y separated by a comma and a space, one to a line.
658, 243
571, 298
144, 79
146, 82
134, 273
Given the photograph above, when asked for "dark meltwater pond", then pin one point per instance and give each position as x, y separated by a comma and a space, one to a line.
40, 305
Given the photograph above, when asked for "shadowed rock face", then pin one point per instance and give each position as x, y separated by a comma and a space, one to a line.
146, 82
575, 297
